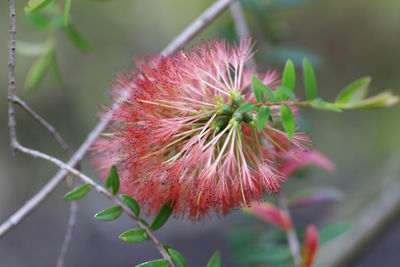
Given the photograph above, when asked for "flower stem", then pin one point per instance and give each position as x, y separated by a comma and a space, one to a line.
291, 236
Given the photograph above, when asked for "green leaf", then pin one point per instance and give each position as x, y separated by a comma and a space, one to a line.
77, 39
109, 214
113, 180
359, 85
131, 203
384, 99
44, 23
321, 104
330, 232
154, 263
288, 76
287, 120
54, 70
259, 89
262, 117
37, 71
177, 258
161, 217
36, 5
134, 235
256, 84
284, 93
67, 7
31, 49
245, 108
310, 83
215, 260
78, 192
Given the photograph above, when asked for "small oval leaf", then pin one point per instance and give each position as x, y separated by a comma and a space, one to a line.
109, 214
346, 95
289, 76
37, 71
310, 82
287, 121
215, 260
161, 217
113, 180
177, 258
131, 203
258, 92
321, 104
36, 5
259, 89
154, 263
78, 192
245, 108
76, 38
134, 235
262, 117
284, 93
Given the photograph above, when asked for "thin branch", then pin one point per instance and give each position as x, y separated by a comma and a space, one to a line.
199, 24
242, 30
44, 123
370, 219
86, 179
11, 77
40, 196
68, 234
291, 236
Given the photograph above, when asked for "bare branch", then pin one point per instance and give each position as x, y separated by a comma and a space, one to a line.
11, 77
370, 219
100, 189
238, 17
44, 123
199, 24
37, 199
68, 234
292, 239
241, 27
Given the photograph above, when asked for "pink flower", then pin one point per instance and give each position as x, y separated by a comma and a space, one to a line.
176, 138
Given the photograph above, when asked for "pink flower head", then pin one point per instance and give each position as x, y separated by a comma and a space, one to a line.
176, 136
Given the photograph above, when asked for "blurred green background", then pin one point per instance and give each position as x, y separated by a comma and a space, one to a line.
345, 40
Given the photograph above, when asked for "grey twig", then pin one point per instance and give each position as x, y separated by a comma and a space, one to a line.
99, 188
199, 24
44, 123
68, 233
65, 147
291, 236
11, 77
238, 18
370, 219
242, 30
